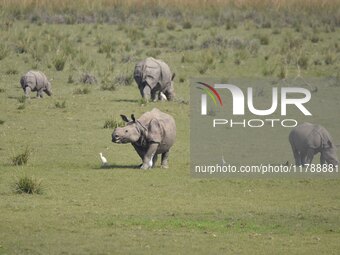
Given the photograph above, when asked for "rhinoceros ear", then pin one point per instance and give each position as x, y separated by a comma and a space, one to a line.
133, 117
173, 76
124, 118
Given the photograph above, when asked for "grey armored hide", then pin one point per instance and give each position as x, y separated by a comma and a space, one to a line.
157, 75
163, 133
36, 81
152, 134
309, 139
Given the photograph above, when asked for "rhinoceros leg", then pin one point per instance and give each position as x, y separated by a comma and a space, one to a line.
322, 159
27, 91
149, 155
308, 157
40, 93
154, 160
164, 163
146, 93
297, 155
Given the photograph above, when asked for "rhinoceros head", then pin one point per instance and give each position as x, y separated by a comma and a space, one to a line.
131, 133
329, 154
48, 88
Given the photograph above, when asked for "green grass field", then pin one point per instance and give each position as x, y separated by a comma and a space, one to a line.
84, 209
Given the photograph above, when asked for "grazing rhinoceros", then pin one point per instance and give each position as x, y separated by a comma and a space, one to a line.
154, 77
307, 140
36, 81
152, 134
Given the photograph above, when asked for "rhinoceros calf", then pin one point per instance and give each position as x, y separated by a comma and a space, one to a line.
153, 77
307, 140
36, 81
152, 134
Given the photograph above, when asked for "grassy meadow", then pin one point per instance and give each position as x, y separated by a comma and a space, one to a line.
89, 50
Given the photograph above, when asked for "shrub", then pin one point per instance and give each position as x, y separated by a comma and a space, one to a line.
81, 91
187, 25
11, 71
264, 39
329, 59
28, 185
113, 123
124, 79
70, 79
61, 105
22, 158
21, 107
108, 85
2, 90
315, 38
3, 51
59, 62
2, 122
253, 47
303, 62
22, 99
202, 69
87, 78
170, 26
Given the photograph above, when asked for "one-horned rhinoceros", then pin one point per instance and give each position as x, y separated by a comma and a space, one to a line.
152, 134
154, 79
36, 81
309, 139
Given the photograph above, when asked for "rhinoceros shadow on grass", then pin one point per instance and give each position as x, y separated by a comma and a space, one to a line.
116, 166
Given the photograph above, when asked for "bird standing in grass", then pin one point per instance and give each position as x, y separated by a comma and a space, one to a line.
103, 159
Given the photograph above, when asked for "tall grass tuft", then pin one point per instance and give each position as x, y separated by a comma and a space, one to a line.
59, 62
113, 123
22, 99
80, 91
87, 78
22, 158
60, 105
28, 185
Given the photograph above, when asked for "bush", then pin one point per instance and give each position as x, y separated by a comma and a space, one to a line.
303, 62
315, 38
61, 105
264, 39
124, 79
70, 79
59, 62
3, 51
11, 71
329, 59
113, 123
80, 91
2, 90
253, 47
187, 25
108, 85
2, 122
22, 99
22, 158
28, 185
21, 107
87, 78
